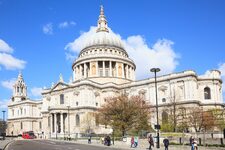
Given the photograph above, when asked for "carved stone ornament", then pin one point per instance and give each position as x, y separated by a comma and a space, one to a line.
97, 94
142, 91
48, 98
76, 93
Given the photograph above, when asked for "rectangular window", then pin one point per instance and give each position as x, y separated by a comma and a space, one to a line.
40, 125
49, 121
61, 99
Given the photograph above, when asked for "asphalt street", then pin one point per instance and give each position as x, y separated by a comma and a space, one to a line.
52, 145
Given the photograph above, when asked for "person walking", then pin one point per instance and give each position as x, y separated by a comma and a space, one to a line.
135, 141
195, 143
89, 140
166, 143
151, 142
132, 142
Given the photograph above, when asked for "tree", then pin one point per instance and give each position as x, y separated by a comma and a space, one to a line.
200, 119
125, 113
219, 116
89, 122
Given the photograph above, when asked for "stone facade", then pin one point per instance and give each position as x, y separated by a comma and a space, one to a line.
104, 69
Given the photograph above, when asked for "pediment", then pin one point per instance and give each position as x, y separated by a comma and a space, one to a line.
59, 86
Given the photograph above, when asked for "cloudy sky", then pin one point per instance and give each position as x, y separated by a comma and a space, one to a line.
42, 38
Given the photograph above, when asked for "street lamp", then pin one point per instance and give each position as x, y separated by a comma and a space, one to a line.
3, 115
157, 112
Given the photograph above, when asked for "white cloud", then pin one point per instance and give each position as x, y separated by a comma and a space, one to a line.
10, 62
8, 83
4, 47
70, 57
36, 92
78, 43
66, 24
161, 54
4, 103
222, 70
48, 28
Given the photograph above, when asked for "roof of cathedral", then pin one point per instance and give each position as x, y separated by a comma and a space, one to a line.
103, 35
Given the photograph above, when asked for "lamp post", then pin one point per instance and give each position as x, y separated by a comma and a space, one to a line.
68, 122
4, 124
155, 70
3, 115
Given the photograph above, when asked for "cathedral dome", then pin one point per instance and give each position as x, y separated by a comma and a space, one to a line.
103, 38
103, 58
103, 35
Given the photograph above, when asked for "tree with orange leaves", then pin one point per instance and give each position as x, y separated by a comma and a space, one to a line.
124, 113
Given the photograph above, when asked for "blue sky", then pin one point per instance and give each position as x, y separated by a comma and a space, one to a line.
189, 34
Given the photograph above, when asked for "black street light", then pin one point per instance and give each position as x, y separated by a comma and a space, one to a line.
4, 124
157, 112
3, 115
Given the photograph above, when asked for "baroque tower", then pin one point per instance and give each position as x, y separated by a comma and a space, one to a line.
19, 89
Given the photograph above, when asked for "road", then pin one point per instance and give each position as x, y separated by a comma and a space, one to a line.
52, 145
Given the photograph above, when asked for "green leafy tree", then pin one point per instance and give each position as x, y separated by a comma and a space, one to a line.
219, 116
125, 113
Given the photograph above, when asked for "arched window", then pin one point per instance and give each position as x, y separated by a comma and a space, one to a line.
164, 117
77, 120
207, 93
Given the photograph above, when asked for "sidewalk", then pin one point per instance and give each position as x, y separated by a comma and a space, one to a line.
3, 143
142, 146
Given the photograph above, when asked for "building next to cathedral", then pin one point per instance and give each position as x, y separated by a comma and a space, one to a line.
103, 69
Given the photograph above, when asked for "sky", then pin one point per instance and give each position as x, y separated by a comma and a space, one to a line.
42, 38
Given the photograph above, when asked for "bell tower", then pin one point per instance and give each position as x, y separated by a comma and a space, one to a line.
19, 89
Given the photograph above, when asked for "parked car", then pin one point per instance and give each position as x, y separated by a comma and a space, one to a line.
28, 135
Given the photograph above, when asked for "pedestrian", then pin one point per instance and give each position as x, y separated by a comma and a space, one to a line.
191, 140
192, 143
89, 140
195, 143
166, 143
135, 141
151, 142
132, 142
108, 141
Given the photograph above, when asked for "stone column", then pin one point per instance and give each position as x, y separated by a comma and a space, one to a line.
85, 70
133, 72
51, 123
97, 71
122, 70
55, 122
103, 67
90, 74
61, 122
74, 74
116, 69
110, 68
127, 72
80, 67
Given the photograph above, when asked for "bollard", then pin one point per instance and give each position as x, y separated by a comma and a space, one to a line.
180, 140
200, 141
221, 140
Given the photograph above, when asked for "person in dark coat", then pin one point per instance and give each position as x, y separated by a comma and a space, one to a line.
166, 143
151, 142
